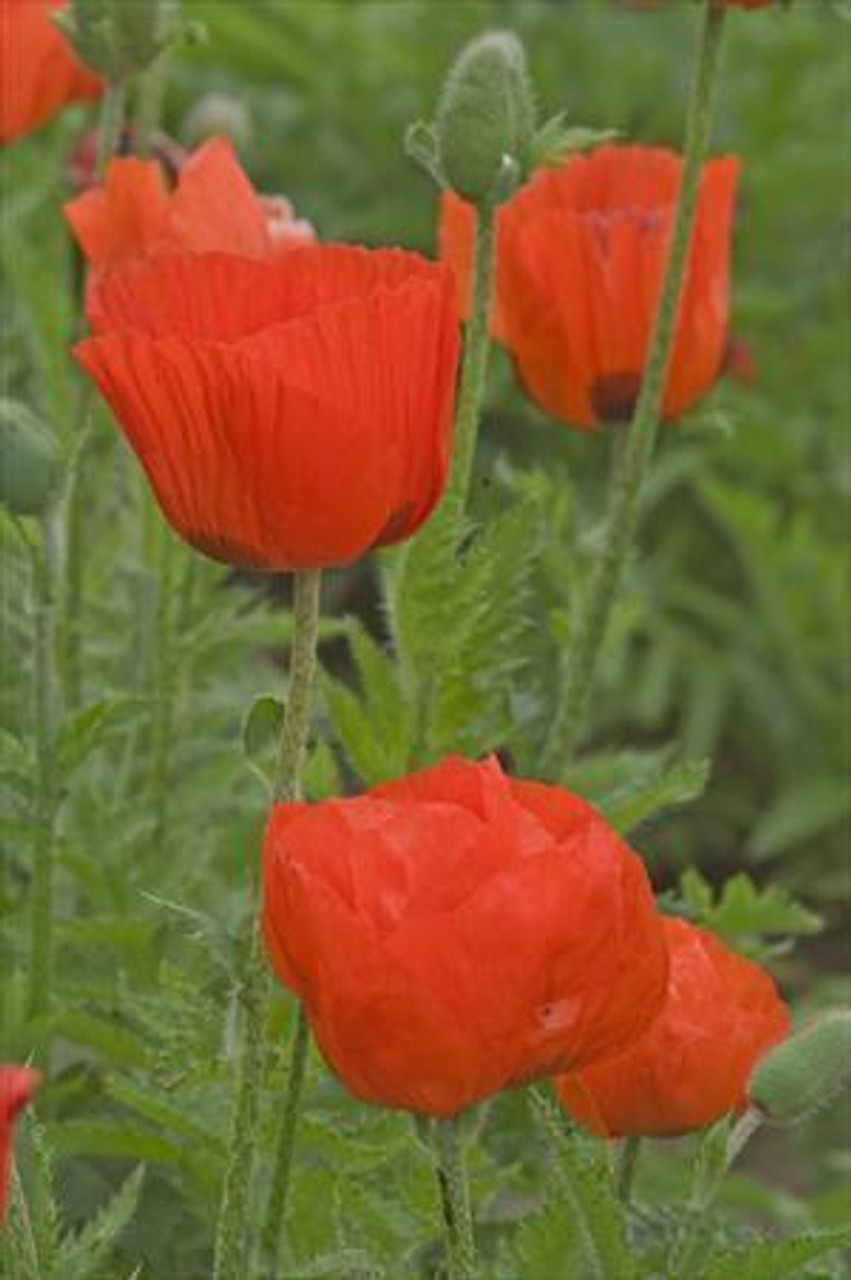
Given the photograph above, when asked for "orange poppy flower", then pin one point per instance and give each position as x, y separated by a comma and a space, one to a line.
722, 1014
213, 208
581, 258
457, 932
17, 1088
290, 413
39, 71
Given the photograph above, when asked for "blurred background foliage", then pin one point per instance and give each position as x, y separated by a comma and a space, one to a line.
731, 643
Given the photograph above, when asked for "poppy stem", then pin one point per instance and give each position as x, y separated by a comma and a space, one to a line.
46, 797
626, 491
453, 1184
165, 690
279, 1193
112, 117
629, 1154
475, 363
231, 1248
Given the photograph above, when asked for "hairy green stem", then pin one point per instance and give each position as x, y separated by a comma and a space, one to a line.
468, 414
626, 492
474, 369
46, 792
112, 117
451, 1171
232, 1248
279, 1193
627, 1164
165, 692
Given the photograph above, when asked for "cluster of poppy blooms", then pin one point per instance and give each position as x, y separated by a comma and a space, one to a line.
456, 932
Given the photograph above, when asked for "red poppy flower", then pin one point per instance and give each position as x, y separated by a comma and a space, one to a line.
290, 413
39, 71
17, 1087
457, 932
213, 208
581, 258
721, 1015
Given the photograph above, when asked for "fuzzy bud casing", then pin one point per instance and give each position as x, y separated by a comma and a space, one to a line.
806, 1072
485, 119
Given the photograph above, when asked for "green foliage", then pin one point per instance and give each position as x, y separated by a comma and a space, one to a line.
771, 1259
729, 643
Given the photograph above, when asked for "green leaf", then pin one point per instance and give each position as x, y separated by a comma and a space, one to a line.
548, 1244
82, 1257
744, 913
584, 1175
88, 729
772, 1259
678, 785
261, 736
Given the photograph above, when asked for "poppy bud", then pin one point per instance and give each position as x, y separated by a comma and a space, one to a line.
485, 119
17, 1087
119, 38
28, 460
805, 1072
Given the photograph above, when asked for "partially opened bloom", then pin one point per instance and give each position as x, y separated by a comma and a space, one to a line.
722, 1013
213, 208
290, 413
582, 251
39, 71
17, 1088
457, 932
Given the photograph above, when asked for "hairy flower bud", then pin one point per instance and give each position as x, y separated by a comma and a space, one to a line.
28, 460
485, 119
805, 1072
119, 38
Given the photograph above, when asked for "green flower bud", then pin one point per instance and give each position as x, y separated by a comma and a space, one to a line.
29, 465
119, 38
485, 120
805, 1072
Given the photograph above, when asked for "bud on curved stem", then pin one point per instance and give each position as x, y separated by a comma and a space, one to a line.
485, 120
806, 1072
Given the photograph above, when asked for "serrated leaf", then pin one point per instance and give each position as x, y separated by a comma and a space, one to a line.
585, 1178
88, 728
772, 1259
82, 1257
680, 784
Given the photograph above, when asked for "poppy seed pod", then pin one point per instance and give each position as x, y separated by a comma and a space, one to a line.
485, 119
457, 932
721, 1014
805, 1072
39, 71
17, 1089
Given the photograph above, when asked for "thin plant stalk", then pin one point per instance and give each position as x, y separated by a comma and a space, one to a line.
451, 1170
112, 118
165, 693
474, 368
273, 1225
232, 1243
627, 1165
570, 710
46, 791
